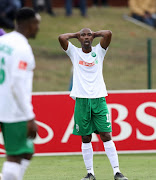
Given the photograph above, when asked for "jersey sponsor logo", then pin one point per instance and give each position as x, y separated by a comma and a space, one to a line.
22, 65
86, 64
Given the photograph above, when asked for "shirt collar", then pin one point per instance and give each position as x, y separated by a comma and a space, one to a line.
21, 36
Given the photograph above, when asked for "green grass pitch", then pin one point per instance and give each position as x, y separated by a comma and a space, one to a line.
135, 167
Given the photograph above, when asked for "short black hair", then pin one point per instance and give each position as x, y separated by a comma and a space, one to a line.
24, 14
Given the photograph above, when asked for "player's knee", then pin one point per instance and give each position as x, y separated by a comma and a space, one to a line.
16, 159
27, 156
86, 139
105, 136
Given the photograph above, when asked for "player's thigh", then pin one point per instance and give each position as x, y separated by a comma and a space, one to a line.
15, 139
100, 115
82, 117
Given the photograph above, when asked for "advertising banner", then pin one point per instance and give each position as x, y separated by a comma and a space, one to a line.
132, 113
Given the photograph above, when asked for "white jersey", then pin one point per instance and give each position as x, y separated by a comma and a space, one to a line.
88, 79
16, 76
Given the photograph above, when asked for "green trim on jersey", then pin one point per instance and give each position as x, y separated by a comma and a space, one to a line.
2, 72
91, 115
6, 49
15, 138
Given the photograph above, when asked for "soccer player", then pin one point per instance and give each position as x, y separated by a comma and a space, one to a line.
89, 90
17, 119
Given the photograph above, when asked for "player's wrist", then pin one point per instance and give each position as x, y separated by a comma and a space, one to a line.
94, 34
72, 35
76, 35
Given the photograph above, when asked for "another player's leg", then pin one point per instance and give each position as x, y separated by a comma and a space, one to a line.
25, 161
100, 116
19, 150
87, 152
15, 166
111, 152
83, 127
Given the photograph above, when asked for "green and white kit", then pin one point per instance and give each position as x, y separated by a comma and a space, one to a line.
89, 90
91, 115
15, 138
16, 76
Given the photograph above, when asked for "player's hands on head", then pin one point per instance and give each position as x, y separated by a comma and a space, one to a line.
32, 129
78, 35
93, 34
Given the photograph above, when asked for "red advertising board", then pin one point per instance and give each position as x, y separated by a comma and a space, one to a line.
133, 116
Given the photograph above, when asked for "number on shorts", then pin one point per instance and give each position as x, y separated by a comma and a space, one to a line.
108, 118
2, 72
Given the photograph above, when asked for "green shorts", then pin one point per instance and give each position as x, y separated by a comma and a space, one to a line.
15, 138
91, 115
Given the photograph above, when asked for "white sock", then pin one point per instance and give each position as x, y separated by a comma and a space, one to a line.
87, 152
24, 165
11, 170
111, 152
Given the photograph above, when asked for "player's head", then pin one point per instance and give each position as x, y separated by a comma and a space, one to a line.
86, 38
27, 21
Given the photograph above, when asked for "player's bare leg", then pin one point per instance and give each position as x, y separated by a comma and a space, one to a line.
112, 155
87, 152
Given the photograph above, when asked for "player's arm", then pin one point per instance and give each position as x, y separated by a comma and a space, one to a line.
19, 91
63, 39
21, 80
106, 37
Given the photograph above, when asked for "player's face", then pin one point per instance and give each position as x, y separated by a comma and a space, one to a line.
34, 27
86, 38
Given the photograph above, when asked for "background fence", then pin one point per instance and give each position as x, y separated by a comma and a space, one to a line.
127, 67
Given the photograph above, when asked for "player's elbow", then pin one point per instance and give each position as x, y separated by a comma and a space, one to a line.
109, 33
61, 37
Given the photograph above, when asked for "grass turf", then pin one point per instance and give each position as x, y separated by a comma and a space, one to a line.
125, 65
135, 167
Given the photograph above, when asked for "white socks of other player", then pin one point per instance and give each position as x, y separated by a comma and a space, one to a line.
24, 165
111, 152
11, 170
87, 152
